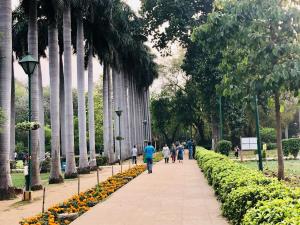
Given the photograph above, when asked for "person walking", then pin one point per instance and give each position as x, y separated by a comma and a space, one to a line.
194, 150
134, 153
180, 153
190, 148
173, 153
166, 153
149, 151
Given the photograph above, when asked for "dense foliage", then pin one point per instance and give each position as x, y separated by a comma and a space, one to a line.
224, 147
291, 146
247, 195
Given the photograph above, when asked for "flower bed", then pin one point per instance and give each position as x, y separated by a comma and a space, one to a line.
248, 197
65, 212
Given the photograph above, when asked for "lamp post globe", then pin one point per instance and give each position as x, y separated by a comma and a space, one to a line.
28, 64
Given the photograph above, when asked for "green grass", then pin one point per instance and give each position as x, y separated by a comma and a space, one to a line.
250, 154
19, 180
292, 167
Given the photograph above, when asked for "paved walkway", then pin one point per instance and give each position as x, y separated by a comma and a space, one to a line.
175, 194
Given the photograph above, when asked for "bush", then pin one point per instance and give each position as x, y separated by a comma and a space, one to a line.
271, 146
224, 147
291, 146
241, 189
101, 160
46, 165
268, 135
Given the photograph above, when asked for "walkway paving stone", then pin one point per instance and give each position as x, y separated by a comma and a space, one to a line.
175, 194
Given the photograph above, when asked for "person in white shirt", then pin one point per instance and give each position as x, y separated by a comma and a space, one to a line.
134, 153
166, 152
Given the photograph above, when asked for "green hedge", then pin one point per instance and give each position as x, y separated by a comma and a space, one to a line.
224, 147
245, 193
268, 135
291, 146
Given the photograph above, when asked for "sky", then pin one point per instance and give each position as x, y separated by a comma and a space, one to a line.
21, 76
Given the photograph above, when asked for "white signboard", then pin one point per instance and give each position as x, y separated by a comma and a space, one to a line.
249, 143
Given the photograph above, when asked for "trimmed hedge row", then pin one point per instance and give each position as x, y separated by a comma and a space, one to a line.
248, 197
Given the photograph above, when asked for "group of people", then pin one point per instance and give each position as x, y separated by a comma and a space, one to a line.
176, 151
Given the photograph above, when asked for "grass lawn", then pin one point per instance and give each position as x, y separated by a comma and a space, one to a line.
19, 180
292, 167
250, 154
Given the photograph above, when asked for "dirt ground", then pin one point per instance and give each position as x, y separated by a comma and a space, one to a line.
13, 211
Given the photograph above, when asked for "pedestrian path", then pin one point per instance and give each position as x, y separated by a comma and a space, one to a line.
174, 194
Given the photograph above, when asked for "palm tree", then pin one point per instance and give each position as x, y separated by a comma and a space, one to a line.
93, 163
69, 126
6, 190
55, 172
12, 114
41, 115
33, 49
83, 161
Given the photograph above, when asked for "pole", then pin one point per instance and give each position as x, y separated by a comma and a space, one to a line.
120, 142
78, 184
221, 117
44, 195
28, 182
260, 164
97, 176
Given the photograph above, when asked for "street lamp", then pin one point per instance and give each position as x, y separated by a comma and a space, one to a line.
260, 164
119, 113
29, 64
145, 130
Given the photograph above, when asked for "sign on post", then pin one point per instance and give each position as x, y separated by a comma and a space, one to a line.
249, 143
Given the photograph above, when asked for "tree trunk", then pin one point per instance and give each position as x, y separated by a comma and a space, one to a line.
83, 161
55, 172
215, 132
69, 125
93, 163
116, 103
41, 115
6, 190
35, 140
13, 115
110, 109
278, 137
62, 107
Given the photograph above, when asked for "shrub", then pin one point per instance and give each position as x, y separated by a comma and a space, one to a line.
101, 160
271, 146
291, 146
46, 165
268, 135
224, 147
243, 190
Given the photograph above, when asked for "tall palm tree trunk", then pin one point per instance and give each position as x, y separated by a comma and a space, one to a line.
93, 163
62, 107
6, 190
55, 172
110, 111
149, 115
12, 114
128, 129
35, 141
69, 125
41, 115
83, 160
116, 102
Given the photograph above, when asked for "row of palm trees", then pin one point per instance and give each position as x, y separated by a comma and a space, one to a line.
106, 29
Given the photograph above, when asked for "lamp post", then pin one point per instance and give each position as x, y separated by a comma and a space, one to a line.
260, 164
28, 64
221, 117
119, 113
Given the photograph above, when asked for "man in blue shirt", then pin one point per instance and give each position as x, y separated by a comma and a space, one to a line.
190, 147
149, 151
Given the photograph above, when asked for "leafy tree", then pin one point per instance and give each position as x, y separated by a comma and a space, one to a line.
168, 21
261, 53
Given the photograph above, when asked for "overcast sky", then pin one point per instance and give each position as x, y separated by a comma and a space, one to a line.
21, 76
